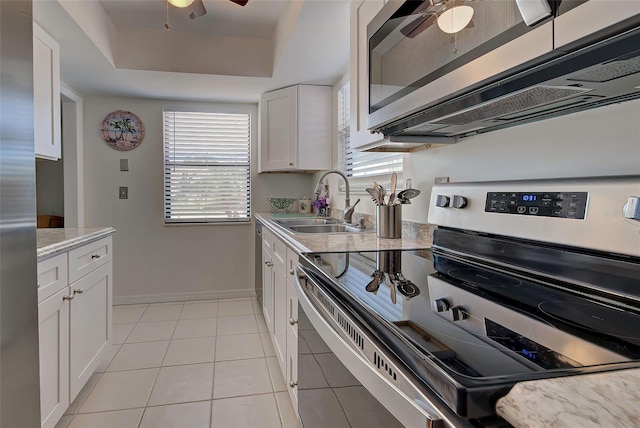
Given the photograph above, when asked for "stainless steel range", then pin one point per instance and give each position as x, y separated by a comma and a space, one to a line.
525, 280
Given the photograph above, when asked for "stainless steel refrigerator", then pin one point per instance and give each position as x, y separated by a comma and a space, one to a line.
19, 368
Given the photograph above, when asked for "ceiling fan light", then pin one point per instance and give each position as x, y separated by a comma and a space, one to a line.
180, 3
455, 19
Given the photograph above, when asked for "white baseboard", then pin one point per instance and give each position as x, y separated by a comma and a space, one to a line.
181, 297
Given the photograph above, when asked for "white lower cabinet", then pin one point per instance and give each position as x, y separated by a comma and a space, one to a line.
89, 326
291, 378
74, 327
53, 329
280, 304
267, 283
280, 320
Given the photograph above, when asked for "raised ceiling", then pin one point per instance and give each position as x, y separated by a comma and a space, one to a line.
258, 19
233, 53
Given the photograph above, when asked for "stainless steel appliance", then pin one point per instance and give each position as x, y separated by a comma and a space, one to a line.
19, 379
525, 280
497, 71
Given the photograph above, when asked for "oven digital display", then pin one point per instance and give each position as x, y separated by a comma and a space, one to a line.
527, 348
541, 204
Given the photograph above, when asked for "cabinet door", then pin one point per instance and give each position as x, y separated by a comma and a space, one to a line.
46, 95
291, 378
280, 320
267, 284
315, 127
53, 329
90, 325
278, 129
362, 12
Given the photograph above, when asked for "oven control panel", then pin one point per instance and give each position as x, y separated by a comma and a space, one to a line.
528, 338
531, 350
542, 204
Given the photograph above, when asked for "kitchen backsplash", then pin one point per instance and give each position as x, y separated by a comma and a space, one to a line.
410, 229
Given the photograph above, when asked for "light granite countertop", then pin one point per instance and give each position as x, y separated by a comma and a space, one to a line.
361, 241
607, 399
53, 241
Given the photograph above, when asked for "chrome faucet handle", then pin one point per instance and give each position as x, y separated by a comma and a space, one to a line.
348, 212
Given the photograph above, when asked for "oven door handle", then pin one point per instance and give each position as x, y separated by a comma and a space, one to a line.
411, 411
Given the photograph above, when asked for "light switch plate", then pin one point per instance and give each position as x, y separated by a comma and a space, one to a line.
124, 164
124, 193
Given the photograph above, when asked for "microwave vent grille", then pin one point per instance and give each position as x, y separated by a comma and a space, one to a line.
611, 71
423, 127
519, 101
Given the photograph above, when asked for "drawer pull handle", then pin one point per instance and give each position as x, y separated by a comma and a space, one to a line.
78, 291
268, 263
293, 384
292, 321
95, 256
67, 297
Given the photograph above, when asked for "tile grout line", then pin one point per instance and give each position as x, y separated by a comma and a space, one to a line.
216, 335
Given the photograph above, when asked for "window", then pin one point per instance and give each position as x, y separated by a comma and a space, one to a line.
207, 173
355, 163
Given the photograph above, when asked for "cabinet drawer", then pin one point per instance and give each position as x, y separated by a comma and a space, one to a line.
89, 257
52, 276
278, 249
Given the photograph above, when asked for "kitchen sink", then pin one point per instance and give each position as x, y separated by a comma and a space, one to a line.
326, 228
286, 222
317, 225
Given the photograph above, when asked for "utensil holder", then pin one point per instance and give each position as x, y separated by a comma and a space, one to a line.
389, 221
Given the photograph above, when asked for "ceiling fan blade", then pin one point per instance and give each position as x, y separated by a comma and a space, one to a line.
196, 9
418, 25
240, 2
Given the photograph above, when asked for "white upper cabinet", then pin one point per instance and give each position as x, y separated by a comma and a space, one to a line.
362, 12
46, 95
296, 129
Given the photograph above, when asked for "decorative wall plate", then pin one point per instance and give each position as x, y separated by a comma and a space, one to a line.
122, 130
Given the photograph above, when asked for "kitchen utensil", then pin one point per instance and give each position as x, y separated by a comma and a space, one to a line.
372, 287
392, 289
408, 193
374, 195
408, 289
394, 182
405, 195
381, 192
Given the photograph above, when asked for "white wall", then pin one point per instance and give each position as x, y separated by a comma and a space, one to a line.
603, 141
154, 262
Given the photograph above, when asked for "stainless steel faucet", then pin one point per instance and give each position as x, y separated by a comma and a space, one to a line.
348, 211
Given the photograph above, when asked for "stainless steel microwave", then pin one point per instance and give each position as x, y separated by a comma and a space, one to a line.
497, 63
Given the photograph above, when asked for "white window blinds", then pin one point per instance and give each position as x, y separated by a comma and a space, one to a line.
355, 163
207, 173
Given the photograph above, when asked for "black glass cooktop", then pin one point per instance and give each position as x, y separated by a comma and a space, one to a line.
480, 325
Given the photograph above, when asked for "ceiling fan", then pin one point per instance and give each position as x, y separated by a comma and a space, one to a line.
195, 8
450, 15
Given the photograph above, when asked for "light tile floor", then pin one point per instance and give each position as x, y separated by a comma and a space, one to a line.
198, 364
